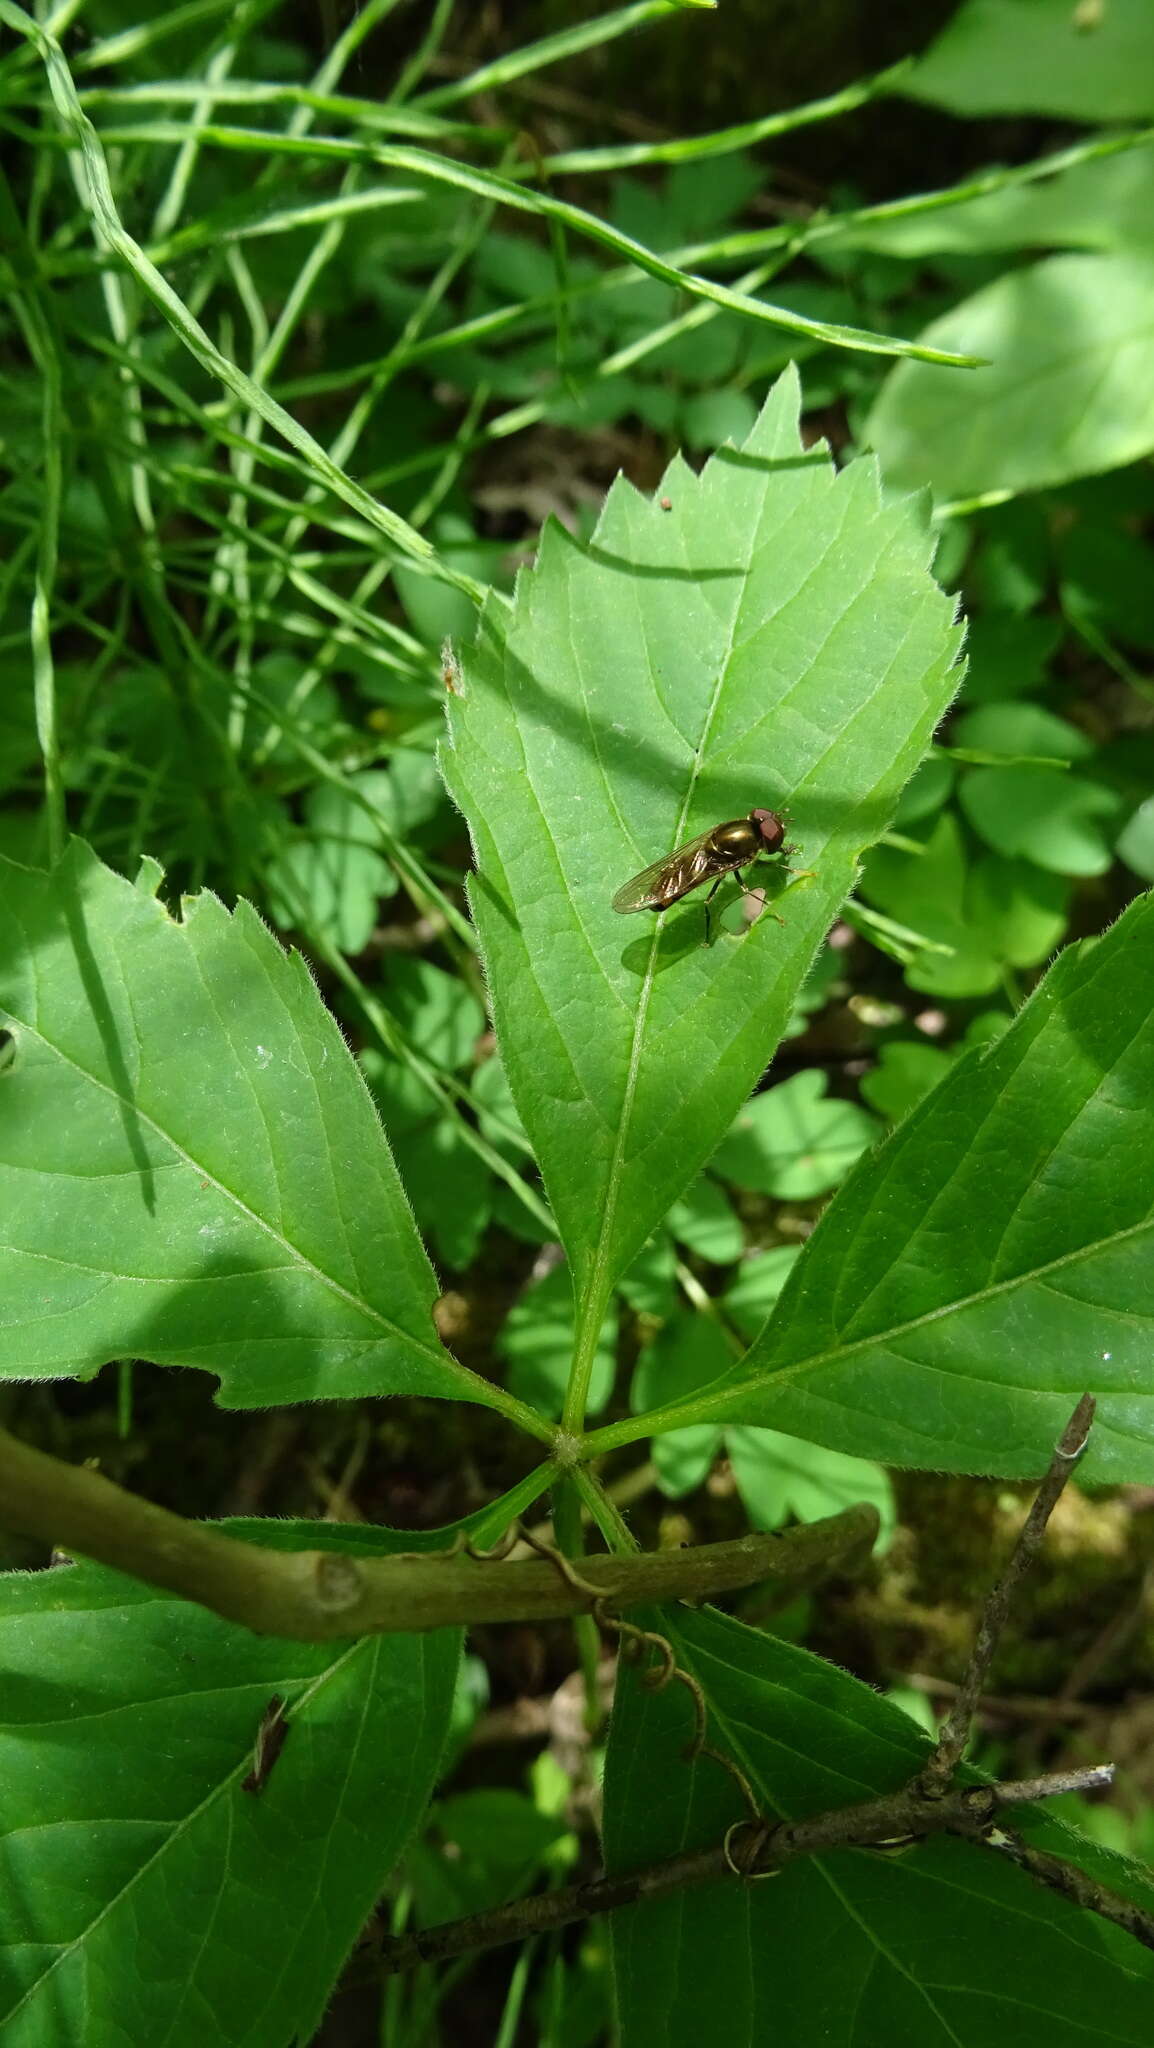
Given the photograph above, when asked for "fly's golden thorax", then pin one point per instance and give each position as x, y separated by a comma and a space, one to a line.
737, 841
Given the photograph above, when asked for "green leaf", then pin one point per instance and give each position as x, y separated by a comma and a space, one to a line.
409, 792
496, 1110
19, 746
334, 875
682, 1458
794, 1142
710, 418
1106, 576
1127, 763
192, 1168
757, 1287
1102, 203
436, 1010
435, 611
1007, 655
275, 684
511, 1213
498, 1825
487, 185
700, 199
928, 790
449, 1186
991, 911
926, 892
537, 1342
774, 632
513, 268
944, 1946
650, 1284
704, 1221
1136, 841
779, 1476
906, 1071
114, 240
1042, 815
401, 1095
1068, 389
495, 1842
1013, 569
130, 1725
1014, 729
1128, 1833
916, 1705
1018, 909
991, 1261
823, 982
687, 1354
1041, 57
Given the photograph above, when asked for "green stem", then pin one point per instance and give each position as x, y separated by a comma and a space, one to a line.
590, 1316
567, 1535
605, 1512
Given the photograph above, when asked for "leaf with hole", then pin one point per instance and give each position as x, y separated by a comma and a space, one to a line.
191, 1166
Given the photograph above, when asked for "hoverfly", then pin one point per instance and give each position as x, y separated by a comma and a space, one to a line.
721, 851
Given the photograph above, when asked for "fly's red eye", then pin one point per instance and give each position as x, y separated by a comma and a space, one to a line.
771, 828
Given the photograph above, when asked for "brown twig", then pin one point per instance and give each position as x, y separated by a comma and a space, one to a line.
1089, 1778
995, 1706
1074, 1884
761, 1849
955, 1731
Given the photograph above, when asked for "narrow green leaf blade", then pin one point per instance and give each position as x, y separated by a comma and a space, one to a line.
1088, 200
772, 638
991, 1261
942, 1946
191, 1168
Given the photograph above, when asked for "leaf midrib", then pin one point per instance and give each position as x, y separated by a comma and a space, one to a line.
960, 1305
600, 1263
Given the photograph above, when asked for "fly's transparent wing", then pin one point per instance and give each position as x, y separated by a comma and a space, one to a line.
666, 880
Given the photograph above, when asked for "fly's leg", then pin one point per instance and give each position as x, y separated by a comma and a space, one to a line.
708, 901
803, 874
742, 880
765, 909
